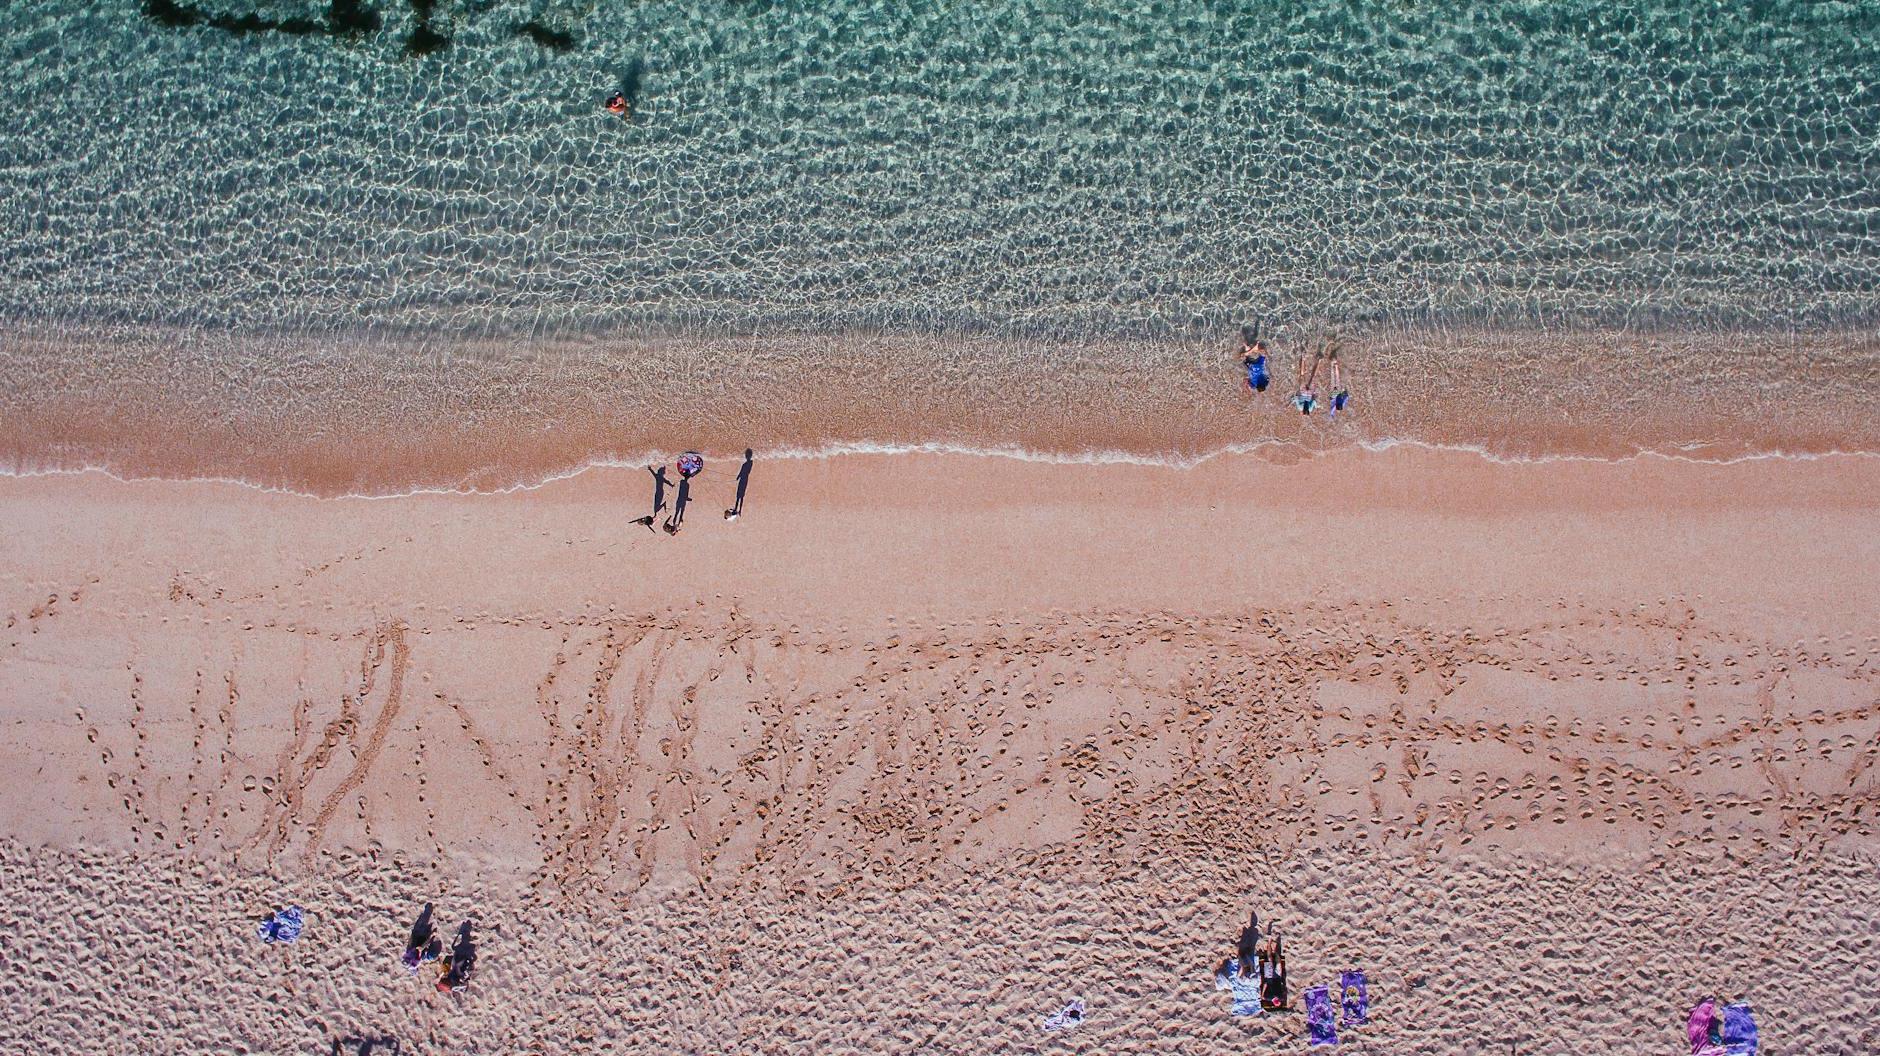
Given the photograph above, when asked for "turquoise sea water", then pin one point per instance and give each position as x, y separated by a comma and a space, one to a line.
1081, 168
1134, 172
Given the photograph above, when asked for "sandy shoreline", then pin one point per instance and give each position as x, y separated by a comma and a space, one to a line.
389, 414
968, 737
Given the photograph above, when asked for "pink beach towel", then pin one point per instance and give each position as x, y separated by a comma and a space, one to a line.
1697, 1030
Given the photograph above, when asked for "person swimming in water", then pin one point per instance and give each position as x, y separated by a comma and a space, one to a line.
618, 103
1253, 357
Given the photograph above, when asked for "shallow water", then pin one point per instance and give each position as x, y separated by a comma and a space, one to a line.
971, 200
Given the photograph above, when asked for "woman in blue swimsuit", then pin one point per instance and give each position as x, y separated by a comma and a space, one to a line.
1253, 357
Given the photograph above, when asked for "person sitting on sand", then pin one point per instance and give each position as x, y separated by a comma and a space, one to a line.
422, 944
1253, 357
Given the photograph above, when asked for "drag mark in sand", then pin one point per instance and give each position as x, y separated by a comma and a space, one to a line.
900, 753
394, 636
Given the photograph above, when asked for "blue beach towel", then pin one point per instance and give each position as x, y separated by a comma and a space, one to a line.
1739, 1031
1320, 1019
1244, 986
284, 926
1354, 1002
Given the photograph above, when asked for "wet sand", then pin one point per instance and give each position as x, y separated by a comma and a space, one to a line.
388, 414
923, 746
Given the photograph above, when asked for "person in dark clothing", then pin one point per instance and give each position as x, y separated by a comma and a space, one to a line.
1272, 968
678, 506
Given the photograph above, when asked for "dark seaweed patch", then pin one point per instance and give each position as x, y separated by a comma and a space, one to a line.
344, 18
425, 38
349, 18
553, 39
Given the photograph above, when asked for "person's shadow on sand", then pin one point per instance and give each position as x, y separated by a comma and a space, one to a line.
463, 953
659, 496
744, 481
379, 1046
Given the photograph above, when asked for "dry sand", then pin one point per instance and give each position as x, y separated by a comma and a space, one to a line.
922, 747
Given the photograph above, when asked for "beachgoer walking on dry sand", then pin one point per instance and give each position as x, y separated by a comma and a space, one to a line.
744, 481
690, 465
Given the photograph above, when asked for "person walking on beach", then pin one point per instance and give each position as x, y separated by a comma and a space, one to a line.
659, 496
744, 481
678, 506
1253, 357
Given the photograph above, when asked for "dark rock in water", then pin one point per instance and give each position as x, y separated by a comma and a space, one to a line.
424, 41
170, 13
350, 18
548, 37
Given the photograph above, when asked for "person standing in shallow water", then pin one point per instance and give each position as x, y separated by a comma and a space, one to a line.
1340, 394
1253, 354
1304, 398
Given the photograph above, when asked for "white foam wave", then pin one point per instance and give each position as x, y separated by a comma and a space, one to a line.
854, 449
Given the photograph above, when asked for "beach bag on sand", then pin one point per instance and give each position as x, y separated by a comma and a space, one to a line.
283, 926
1321, 1020
1067, 1017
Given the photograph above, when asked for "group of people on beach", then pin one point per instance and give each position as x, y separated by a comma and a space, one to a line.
1254, 351
1256, 974
689, 465
423, 947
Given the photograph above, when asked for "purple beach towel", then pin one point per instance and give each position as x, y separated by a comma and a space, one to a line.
1320, 1019
1354, 1001
1739, 1030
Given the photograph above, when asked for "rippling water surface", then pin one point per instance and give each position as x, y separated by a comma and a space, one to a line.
252, 184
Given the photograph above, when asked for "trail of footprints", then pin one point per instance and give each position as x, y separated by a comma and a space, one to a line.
731, 752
